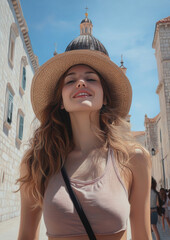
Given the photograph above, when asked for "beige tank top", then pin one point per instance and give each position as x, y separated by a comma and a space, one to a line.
104, 200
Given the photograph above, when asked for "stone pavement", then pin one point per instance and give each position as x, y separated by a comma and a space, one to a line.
163, 235
9, 230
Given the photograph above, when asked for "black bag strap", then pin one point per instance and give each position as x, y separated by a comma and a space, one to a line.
78, 206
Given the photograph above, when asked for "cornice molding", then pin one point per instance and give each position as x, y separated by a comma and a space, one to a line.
152, 120
24, 30
159, 87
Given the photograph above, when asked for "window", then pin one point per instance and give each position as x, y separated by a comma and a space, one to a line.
8, 106
13, 34
160, 136
23, 75
20, 126
85, 29
12, 50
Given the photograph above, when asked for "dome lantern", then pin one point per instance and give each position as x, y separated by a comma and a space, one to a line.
86, 25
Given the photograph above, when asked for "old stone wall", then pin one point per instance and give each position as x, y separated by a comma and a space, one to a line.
162, 52
11, 149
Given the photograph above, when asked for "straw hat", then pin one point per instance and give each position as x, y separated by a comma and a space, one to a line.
47, 76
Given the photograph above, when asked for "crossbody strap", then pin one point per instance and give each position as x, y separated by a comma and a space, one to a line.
78, 206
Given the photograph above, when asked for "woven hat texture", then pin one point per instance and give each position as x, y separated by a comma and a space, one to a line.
47, 76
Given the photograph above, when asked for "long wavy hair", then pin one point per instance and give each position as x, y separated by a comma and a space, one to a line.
53, 140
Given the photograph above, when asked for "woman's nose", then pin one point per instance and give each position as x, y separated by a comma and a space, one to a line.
81, 83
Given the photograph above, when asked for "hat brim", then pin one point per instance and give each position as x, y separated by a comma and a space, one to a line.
47, 76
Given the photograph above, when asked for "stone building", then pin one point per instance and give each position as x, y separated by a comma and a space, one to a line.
153, 138
17, 66
161, 44
157, 129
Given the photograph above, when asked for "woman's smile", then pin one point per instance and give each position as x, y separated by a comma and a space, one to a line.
81, 94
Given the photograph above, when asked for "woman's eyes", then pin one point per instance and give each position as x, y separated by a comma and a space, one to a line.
89, 80
70, 81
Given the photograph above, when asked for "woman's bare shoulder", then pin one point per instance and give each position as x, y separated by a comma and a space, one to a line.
137, 167
139, 158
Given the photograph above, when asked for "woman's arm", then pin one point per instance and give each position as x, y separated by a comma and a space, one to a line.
30, 217
140, 165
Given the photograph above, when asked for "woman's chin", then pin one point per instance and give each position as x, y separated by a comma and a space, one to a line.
84, 108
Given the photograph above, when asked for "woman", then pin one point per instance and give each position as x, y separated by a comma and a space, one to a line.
81, 99
154, 205
164, 205
168, 204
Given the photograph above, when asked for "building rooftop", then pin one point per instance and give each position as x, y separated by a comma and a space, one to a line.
164, 20
151, 120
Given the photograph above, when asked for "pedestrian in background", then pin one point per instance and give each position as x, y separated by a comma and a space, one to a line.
168, 204
164, 206
154, 203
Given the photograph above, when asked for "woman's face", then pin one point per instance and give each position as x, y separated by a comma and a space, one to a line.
82, 90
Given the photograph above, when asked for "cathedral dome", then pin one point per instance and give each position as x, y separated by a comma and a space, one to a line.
86, 41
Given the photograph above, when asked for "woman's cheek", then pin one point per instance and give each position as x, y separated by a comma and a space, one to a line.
64, 96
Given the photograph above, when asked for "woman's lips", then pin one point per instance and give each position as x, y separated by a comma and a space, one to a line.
82, 94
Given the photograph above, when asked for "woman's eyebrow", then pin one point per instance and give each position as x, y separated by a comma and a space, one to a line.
90, 72
73, 73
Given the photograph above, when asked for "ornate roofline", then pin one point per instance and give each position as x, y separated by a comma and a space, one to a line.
152, 120
163, 21
24, 29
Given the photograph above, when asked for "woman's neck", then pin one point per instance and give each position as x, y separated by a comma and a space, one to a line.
83, 135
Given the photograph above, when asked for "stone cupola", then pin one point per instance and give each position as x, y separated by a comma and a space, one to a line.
86, 26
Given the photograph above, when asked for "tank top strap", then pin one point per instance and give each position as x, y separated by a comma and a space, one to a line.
116, 169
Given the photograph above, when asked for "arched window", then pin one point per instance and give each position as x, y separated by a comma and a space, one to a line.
8, 106
20, 126
23, 74
85, 29
11, 51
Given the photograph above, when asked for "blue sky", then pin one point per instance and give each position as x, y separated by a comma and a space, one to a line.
124, 27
